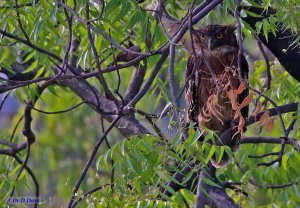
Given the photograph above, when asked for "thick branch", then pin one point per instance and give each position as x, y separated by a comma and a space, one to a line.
126, 126
213, 196
279, 45
136, 81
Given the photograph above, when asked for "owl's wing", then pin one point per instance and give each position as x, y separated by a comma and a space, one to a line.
192, 82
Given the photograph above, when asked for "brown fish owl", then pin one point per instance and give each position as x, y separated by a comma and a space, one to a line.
213, 92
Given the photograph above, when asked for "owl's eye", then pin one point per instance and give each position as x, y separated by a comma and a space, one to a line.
219, 35
202, 36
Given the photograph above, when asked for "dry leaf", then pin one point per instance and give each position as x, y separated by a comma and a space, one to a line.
257, 109
210, 109
247, 100
264, 118
270, 124
233, 99
237, 114
240, 127
240, 89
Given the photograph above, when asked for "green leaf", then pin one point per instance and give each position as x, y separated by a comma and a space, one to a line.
51, 89
251, 13
228, 151
112, 6
210, 154
258, 26
134, 19
124, 10
209, 136
284, 162
192, 139
31, 67
210, 182
39, 72
243, 13
37, 30
219, 153
28, 57
4, 54
246, 176
266, 28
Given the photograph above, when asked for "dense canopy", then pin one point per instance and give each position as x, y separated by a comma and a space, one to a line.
92, 111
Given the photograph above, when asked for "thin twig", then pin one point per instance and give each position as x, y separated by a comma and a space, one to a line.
240, 38
263, 155
20, 22
32, 175
88, 193
118, 74
267, 62
91, 158
58, 112
70, 27
111, 160
4, 99
91, 27
149, 119
149, 81
28, 133
97, 59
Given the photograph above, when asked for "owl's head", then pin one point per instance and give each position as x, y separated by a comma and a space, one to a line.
211, 37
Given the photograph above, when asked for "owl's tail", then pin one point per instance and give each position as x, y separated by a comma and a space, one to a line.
230, 139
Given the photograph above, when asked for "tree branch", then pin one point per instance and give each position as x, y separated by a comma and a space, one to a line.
278, 44
213, 196
90, 160
271, 140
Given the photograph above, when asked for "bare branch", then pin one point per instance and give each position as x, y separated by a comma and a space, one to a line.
271, 140
111, 160
3, 100
91, 27
214, 196
19, 21
267, 61
278, 43
36, 184
136, 81
58, 112
239, 35
126, 126
291, 107
263, 155
149, 81
90, 160
97, 60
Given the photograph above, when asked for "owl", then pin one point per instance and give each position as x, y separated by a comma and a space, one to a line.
211, 77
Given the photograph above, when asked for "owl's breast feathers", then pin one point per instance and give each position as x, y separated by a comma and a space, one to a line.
208, 76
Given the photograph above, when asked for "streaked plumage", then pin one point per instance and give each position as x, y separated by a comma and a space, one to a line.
211, 73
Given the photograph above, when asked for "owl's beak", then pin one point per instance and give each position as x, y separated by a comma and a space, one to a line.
210, 44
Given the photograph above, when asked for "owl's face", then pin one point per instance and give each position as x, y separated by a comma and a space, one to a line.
212, 37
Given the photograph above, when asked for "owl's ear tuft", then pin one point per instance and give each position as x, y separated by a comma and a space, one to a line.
231, 27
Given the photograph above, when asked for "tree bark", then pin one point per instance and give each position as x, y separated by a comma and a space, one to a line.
279, 45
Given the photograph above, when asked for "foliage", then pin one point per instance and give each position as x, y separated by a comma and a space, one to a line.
141, 165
